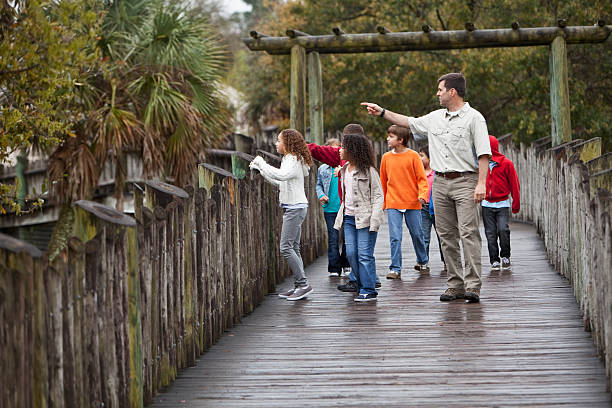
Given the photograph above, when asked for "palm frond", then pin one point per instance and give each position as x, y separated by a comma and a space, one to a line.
72, 171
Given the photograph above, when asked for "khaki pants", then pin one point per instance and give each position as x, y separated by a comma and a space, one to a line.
457, 219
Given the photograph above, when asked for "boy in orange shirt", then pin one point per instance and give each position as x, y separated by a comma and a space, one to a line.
405, 188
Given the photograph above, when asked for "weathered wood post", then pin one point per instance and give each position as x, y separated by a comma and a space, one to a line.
298, 88
167, 283
243, 143
561, 127
23, 344
315, 97
90, 220
240, 164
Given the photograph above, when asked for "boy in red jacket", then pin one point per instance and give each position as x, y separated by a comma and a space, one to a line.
502, 181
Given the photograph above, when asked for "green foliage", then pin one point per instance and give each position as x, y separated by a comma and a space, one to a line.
158, 97
508, 85
46, 52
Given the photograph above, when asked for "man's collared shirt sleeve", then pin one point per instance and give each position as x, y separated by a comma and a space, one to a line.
481, 136
420, 126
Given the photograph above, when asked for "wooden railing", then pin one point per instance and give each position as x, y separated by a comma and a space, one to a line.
111, 314
125, 303
566, 192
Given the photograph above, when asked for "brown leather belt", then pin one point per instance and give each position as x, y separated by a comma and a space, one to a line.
454, 174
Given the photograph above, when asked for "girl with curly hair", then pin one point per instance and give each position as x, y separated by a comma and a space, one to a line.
289, 178
361, 210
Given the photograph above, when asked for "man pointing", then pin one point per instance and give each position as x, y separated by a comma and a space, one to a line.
460, 150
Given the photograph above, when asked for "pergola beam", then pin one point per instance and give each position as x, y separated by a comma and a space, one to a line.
433, 40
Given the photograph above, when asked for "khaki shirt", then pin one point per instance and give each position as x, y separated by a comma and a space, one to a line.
456, 139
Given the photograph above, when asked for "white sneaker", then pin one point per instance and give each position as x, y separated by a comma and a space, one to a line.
495, 266
505, 263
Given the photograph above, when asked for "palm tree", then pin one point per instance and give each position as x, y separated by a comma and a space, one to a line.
158, 95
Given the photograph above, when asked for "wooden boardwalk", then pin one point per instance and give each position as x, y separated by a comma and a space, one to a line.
523, 345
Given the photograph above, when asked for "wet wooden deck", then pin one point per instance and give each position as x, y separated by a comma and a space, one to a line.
523, 345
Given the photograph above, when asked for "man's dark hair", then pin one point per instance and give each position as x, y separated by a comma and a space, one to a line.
353, 129
401, 133
454, 80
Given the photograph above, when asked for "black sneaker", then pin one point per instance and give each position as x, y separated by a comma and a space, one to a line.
350, 286
369, 297
378, 284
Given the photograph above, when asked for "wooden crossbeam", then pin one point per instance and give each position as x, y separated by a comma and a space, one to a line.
342, 43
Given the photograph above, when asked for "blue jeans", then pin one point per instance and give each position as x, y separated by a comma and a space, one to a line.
336, 259
414, 224
496, 227
429, 220
360, 253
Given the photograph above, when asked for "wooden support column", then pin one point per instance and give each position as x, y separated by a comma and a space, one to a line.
561, 127
315, 97
298, 88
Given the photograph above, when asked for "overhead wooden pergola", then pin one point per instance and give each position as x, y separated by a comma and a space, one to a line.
305, 61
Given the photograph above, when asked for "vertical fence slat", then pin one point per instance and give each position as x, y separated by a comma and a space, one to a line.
576, 231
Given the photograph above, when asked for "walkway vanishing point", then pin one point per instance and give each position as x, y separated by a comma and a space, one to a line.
523, 345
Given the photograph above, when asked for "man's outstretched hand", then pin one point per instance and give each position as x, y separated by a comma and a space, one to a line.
373, 109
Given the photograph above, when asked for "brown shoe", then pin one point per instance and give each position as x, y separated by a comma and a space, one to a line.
424, 268
394, 275
452, 294
472, 295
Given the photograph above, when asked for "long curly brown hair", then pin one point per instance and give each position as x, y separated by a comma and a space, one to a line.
359, 151
296, 145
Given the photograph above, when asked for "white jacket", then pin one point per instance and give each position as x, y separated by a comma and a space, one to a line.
289, 178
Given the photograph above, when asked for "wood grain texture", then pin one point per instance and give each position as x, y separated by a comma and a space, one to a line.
571, 211
523, 345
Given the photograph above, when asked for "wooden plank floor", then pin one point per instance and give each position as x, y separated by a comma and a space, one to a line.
523, 345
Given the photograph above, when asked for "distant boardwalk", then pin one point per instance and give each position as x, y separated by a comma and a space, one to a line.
527, 330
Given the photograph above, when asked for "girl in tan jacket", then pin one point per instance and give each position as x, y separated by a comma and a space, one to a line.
361, 213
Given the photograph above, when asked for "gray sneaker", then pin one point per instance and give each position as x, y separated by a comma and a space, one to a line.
286, 294
505, 263
495, 266
300, 293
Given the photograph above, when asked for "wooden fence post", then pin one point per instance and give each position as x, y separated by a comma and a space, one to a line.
23, 356
240, 164
298, 89
561, 126
117, 231
315, 97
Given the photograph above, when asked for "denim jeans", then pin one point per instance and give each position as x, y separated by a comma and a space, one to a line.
291, 232
414, 224
360, 253
336, 259
496, 227
429, 220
